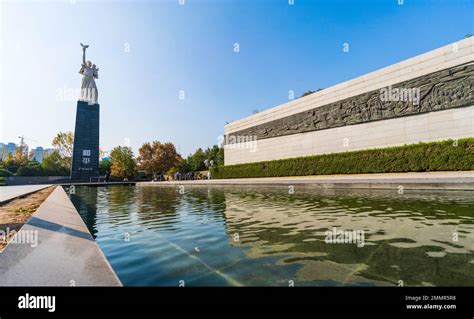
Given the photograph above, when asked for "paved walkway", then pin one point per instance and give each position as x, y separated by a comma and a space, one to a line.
462, 180
10, 192
63, 254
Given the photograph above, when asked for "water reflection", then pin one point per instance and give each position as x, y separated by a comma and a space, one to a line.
243, 236
410, 237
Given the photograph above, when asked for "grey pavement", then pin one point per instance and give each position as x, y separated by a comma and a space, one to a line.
65, 253
10, 192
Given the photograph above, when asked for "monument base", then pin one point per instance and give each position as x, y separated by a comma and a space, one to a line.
85, 158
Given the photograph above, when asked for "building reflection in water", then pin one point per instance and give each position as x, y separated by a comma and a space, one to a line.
419, 238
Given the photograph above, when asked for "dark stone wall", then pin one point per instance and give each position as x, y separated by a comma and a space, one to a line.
445, 89
85, 159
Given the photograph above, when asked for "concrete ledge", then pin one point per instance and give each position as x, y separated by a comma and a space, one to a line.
462, 180
66, 253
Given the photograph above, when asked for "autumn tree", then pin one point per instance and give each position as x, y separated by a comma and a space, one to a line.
63, 144
157, 158
9, 163
20, 156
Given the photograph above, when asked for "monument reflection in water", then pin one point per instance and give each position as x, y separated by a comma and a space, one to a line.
156, 236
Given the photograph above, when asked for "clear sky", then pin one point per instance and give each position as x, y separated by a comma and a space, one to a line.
149, 50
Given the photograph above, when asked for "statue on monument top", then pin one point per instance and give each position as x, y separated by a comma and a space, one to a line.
89, 73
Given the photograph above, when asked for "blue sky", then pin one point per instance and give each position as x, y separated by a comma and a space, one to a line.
190, 47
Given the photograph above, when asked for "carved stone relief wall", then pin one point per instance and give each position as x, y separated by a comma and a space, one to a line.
441, 90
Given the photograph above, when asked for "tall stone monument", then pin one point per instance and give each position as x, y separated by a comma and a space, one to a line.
85, 158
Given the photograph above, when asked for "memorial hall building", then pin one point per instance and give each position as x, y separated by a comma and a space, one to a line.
426, 98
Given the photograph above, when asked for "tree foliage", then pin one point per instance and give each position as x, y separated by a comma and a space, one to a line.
105, 166
307, 93
10, 164
213, 156
53, 164
123, 163
30, 168
158, 159
5, 173
20, 157
63, 144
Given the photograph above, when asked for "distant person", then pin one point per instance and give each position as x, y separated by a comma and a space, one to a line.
106, 176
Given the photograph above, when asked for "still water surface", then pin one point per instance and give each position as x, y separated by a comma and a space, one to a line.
159, 236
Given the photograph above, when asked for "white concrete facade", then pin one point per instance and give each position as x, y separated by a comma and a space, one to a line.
433, 126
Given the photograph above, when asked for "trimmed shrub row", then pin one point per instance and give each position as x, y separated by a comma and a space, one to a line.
449, 155
5, 173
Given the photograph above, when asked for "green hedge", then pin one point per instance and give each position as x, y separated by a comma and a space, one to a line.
5, 173
449, 155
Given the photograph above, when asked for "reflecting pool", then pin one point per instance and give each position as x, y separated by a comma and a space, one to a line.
228, 236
